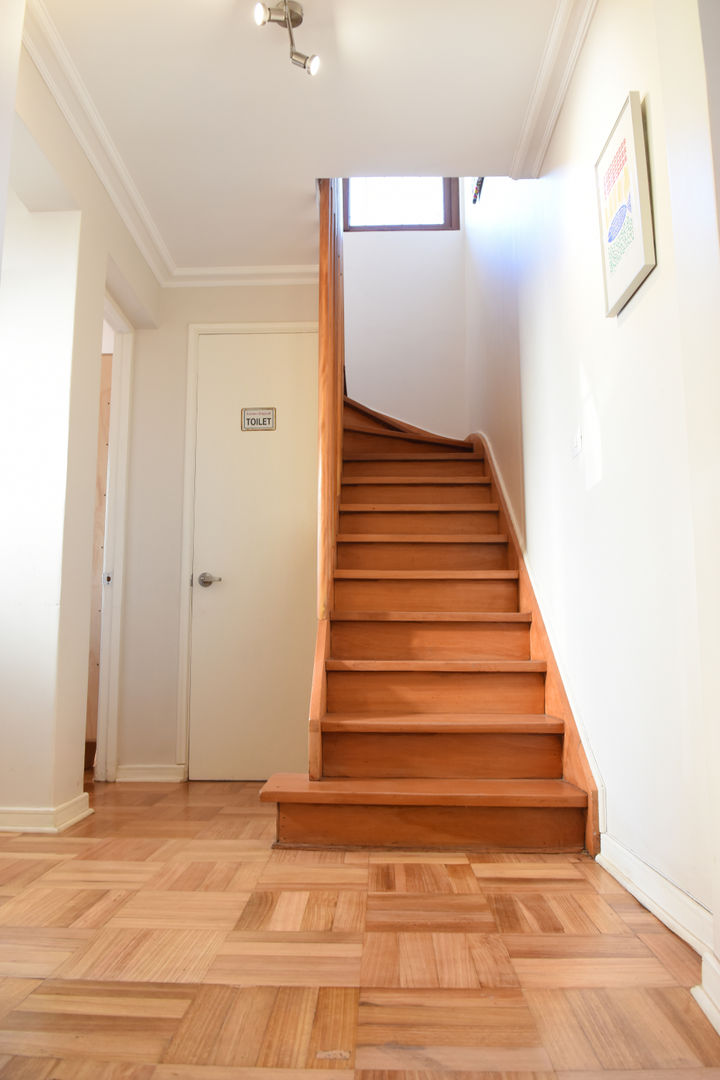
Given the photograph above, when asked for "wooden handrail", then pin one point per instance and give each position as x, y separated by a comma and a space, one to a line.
330, 389
331, 383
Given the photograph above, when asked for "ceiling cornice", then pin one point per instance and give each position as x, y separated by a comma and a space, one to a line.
47, 51
567, 34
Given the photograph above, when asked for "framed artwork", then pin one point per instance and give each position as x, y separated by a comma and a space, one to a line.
623, 190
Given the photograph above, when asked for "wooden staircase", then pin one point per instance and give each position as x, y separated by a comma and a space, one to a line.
429, 723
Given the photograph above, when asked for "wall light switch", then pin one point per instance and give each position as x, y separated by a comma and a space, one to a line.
576, 445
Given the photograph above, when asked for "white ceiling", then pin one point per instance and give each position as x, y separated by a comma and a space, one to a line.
210, 140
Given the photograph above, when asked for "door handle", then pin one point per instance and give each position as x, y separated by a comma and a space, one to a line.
206, 579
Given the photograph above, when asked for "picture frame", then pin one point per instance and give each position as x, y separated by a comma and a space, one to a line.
624, 207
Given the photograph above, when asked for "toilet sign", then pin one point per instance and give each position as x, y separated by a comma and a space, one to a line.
258, 419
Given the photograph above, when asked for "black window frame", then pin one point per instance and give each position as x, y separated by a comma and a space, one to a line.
451, 205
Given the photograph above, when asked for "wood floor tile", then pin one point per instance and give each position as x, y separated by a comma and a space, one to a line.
334, 1029
302, 960
14, 991
634, 915
208, 876
96, 1070
181, 851
20, 870
683, 963
429, 960
146, 956
412, 877
232, 1072
286, 1039
290, 876
680, 1010
28, 1068
561, 1031
63, 907
590, 972
627, 1030
569, 946
642, 1074
180, 910
101, 874
454, 913
38, 952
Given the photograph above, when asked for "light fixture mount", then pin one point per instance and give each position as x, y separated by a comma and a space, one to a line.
288, 14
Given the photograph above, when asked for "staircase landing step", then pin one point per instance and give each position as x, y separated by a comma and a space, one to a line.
449, 723
298, 788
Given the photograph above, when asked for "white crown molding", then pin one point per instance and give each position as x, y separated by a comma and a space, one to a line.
47, 51
216, 276
567, 34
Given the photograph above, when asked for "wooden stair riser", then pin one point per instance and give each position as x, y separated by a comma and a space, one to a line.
479, 757
437, 494
377, 443
465, 522
430, 640
358, 418
415, 466
472, 828
400, 555
377, 594
436, 691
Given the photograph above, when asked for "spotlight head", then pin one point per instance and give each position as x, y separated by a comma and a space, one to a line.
310, 63
261, 14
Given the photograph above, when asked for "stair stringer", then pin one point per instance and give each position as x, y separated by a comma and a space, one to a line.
576, 767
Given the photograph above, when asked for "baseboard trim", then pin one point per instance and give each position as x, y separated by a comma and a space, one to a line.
44, 819
686, 917
708, 995
151, 774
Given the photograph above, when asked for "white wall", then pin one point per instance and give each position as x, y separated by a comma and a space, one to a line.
57, 301
39, 271
622, 540
405, 326
11, 23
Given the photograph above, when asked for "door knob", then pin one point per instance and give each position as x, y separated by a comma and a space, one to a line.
206, 579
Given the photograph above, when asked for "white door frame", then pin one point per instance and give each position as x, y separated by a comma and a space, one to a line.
114, 549
195, 332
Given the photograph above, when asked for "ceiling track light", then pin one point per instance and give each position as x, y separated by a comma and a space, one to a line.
288, 14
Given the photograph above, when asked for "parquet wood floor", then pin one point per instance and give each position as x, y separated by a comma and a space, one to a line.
163, 939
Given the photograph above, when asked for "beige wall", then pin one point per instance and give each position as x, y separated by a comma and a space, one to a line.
149, 684
11, 22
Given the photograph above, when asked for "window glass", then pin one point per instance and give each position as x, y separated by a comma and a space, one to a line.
396, 200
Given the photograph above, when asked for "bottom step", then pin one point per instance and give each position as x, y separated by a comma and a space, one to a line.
490, 815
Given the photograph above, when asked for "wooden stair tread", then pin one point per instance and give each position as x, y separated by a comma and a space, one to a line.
429, 575
296, 787
419, 508
422, 538
447, 723
433, 616
437, 665
377, 455
444, 481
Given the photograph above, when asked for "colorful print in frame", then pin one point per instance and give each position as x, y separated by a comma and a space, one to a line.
623, 189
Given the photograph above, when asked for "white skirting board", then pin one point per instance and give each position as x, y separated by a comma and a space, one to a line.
685, 916
44, 819
708, 995
151, 774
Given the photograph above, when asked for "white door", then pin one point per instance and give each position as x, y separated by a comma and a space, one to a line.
255, 528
